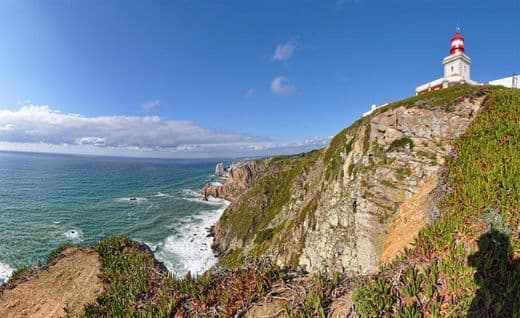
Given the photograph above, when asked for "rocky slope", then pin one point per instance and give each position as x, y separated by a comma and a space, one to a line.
358, 202
236, 180
464, 264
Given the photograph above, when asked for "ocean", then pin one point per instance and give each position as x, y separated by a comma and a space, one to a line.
47, 200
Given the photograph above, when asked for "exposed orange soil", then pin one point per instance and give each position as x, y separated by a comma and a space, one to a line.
409, 219
65, 286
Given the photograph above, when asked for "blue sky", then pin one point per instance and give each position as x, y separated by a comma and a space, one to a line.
225, 78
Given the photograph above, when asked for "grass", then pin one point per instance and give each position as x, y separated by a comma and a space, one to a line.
18, 274
402, 143
138, 286
403, 172
264, 235
249, 220
56, 252
466, 263
317, 298
445, 98
22, 273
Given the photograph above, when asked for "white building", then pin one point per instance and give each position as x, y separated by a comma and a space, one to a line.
374, 107
457, 68
510, 82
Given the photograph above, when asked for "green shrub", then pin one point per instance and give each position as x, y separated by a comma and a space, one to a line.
401, 143
264, 235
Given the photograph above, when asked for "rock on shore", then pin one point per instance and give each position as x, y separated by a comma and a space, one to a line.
237, 179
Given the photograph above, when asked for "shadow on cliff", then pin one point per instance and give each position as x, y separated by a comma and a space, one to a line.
498, 277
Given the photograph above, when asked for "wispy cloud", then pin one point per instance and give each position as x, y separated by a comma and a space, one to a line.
284, 51
40, 128
280, 85
150, 105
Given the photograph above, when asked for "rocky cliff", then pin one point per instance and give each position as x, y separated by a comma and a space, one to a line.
358, 202
237, 179
366, 195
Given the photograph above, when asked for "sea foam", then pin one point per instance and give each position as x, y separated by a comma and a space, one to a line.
190, 249
5, 272
74, 234
190, 195
131, 199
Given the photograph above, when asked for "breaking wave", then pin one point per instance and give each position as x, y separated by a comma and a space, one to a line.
190, 248
5, 272
74, 235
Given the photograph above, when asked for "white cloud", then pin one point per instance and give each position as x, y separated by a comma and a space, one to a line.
6, 127
280, 85
150, 105
284, 51
40, 128
35, 123
95, 141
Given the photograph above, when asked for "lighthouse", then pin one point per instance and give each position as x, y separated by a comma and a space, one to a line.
457, 63
457, 67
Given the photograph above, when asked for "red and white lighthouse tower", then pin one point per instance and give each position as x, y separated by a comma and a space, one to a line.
457, 63
457, 43
456, 67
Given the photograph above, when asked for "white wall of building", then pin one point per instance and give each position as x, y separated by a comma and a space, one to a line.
457, 64
507, 81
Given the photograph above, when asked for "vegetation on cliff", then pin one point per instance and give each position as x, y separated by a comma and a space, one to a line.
464, 263
330, 209
137, 285
249, 219
467, 261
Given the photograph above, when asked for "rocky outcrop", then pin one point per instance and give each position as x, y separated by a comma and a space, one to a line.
220, 170
353, 204
237, 179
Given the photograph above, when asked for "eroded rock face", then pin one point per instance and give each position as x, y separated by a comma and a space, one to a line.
237, 179
395, 154
220, 170
354, 204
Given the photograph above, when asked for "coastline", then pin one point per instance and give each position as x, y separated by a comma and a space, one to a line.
5, 273
182, 241
192, 247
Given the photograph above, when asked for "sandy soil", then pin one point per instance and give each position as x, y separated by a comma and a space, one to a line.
409, 219
67, 284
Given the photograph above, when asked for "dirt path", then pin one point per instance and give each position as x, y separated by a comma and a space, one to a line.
70, 282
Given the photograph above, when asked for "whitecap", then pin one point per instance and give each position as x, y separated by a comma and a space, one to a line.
131, 199
5, 272
74, 234
190, 249
193, 196
190, 193
152, 246
162, 195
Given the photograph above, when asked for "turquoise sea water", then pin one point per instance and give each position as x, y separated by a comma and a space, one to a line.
47, 200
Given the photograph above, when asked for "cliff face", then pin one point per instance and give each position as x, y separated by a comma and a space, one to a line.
238, 178
359, 201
